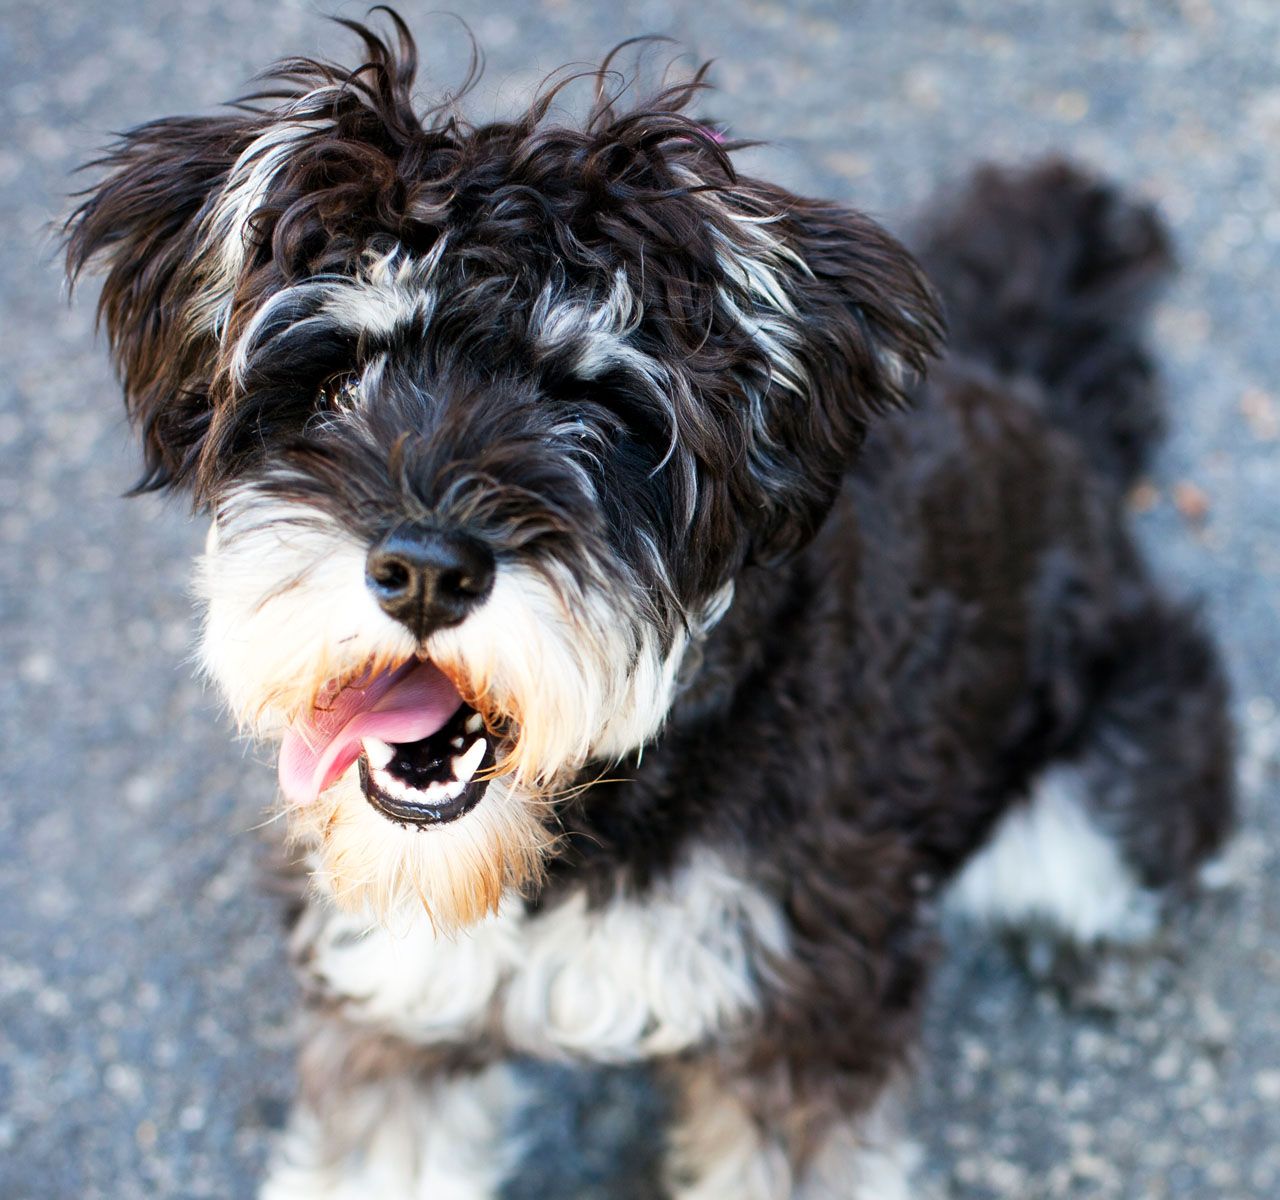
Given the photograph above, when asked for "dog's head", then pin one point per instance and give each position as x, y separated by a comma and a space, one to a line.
488, 419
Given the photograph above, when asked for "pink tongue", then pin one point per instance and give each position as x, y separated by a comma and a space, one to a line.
405, 705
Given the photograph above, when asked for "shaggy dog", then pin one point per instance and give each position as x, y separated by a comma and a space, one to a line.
651, 650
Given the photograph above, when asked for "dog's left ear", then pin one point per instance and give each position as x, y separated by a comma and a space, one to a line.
842, 320
142, 226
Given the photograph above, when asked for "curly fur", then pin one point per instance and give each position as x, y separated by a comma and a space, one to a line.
782, 632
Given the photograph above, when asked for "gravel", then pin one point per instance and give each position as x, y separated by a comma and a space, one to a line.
146, 1015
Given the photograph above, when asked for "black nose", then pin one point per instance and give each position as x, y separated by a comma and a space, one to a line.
428, 579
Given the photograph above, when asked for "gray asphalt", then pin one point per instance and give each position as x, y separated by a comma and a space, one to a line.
147, 1015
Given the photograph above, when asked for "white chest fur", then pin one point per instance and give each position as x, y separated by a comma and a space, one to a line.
633, 978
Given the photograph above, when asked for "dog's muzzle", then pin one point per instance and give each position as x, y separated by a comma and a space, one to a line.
425, 756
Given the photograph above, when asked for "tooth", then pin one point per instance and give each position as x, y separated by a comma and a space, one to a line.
464, 765
475, 723
378, 753
393, 786
456, 743
388, 783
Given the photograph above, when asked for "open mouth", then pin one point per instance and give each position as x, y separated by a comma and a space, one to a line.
433, 780
425, 756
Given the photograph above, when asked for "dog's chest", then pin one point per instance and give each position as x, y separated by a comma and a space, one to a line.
637, 977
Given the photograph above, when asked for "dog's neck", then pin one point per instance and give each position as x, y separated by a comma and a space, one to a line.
745, 694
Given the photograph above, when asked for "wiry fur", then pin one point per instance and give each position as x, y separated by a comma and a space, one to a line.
588, 980
781, 640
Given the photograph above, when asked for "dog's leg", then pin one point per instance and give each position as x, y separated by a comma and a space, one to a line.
382, 1118
1158, 753
1136, 812
730, 1141
869, 1158
1050, 866
719, 1146
398, 1099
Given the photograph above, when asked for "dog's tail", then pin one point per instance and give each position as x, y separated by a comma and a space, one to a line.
1048, 273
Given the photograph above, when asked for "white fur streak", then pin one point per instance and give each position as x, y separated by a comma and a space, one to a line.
758, 264
598, 335
1048, 863
597, 332
641, 978
405, 977
225, 233
637, 977
390, 292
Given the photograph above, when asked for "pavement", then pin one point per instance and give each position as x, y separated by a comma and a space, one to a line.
146, 1016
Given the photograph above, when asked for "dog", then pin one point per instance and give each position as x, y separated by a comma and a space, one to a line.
660, 629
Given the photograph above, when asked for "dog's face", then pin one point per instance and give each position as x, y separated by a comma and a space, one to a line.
488, 419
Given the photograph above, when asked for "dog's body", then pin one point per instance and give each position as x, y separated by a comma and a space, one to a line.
743, 716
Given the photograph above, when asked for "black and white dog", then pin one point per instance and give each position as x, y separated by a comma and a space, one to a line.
650, 649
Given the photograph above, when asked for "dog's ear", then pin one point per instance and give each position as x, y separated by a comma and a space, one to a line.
842, 320
144, 227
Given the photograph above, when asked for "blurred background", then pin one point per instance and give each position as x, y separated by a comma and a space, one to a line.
146, 1012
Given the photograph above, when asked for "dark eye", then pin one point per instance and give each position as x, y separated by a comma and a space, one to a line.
341, 392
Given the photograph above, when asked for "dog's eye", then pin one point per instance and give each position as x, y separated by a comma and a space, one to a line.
340, 393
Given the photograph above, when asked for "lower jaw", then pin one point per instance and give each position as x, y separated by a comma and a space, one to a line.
425, 815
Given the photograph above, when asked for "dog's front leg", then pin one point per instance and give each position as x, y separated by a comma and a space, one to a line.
741, 1138
382, 1119
403, 1095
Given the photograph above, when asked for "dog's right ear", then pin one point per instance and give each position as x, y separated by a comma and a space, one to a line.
145, 227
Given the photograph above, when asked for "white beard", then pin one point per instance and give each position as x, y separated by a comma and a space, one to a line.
572, 671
